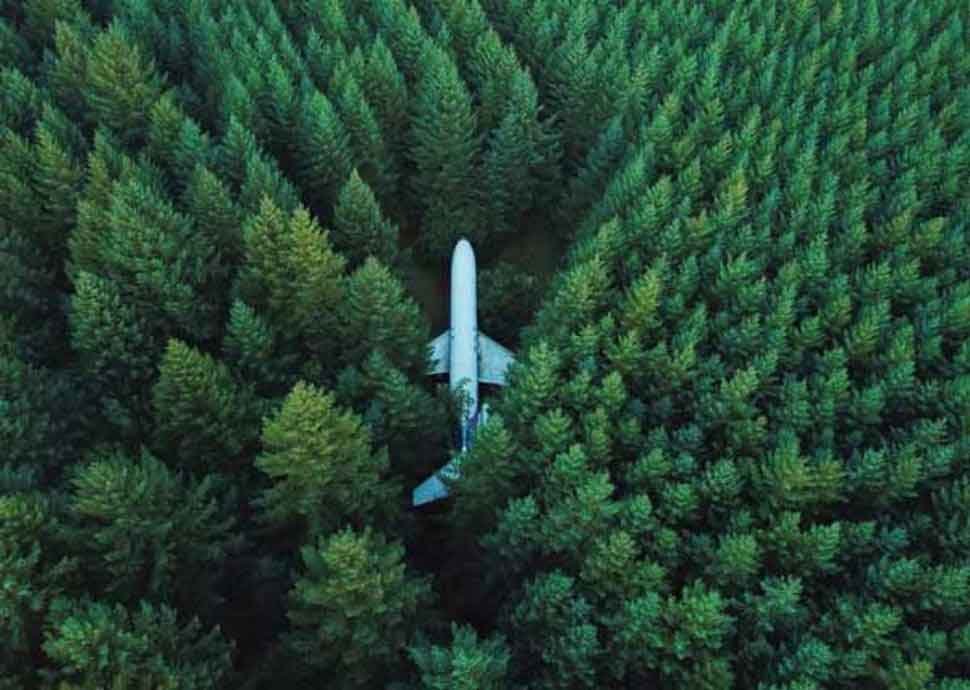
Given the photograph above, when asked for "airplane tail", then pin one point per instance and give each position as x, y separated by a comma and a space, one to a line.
433, 488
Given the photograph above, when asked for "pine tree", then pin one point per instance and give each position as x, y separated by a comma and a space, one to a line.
176, 141
397, 411
44, 180
326, 158
14, 48
377, 314
468, 664
144, 532
159, 262
292, 273
353, 607
492, 66
506, 166
325, 472
508, 297
388, 95
57, 181
263, 178
359, 228
552, 612
444, 148
67, 71
370, 152
41, 16
590, 181
204, 419
121, 85
251, 346
210, 203
94, 644
116, 348
35, 573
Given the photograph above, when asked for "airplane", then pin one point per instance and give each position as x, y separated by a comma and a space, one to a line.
468, 357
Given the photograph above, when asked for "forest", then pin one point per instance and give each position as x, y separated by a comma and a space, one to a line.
734, 447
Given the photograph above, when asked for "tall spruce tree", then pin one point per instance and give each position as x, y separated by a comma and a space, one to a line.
360, 230
444, 149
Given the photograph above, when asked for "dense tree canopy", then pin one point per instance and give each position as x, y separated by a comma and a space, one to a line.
734, 451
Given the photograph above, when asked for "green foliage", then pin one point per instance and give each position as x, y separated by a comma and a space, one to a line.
41, 420
733, 448
115, 347
359, 228
377, 315
34, 571
468, 664
203, 418
293, 274
353, 607
508, 297
367, 141
120, 85
444, 149
146, 532
94, 645
325, 159
325, 472
167, 271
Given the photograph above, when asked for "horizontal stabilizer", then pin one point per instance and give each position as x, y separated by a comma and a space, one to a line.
433, 488
494, 361
440, 353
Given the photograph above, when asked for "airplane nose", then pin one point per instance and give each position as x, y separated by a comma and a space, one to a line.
463, 254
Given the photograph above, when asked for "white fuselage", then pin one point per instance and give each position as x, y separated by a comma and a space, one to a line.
463, 365
469, 357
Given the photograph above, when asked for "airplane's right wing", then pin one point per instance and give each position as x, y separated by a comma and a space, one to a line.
440, 353
494, 360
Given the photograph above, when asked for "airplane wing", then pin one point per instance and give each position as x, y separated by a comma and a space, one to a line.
432, 488
440, 353
494, 360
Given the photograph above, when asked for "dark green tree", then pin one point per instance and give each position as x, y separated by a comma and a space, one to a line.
467, 664
204, 420
142, 531
508, 297
170, 274
377, 314
326, 157
209, 201
370, 152
444, 149
96, 645
35, 570
360, 229
117, 349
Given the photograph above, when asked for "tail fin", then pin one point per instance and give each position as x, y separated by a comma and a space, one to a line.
433, 488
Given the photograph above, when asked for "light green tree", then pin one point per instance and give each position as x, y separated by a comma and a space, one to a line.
325, 473
354, 608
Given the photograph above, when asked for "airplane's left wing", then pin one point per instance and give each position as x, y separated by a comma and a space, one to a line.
433, 488
440, 353
494, 360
